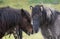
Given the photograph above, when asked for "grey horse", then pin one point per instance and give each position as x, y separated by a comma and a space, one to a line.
48, 20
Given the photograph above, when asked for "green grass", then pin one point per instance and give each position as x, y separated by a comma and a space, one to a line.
25, 36
34, 36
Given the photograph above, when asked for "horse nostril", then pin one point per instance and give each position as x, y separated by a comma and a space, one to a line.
32, 32
36, 31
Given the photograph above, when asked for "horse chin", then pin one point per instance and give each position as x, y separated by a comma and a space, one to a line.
35, 31
28, 33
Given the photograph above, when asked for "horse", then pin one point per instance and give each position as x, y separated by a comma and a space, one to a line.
17, 32
11, 18
47, 19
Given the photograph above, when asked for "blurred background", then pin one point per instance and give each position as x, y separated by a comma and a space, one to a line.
25, 4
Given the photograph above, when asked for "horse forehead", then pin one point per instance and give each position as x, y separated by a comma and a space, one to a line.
27, 14
35, 11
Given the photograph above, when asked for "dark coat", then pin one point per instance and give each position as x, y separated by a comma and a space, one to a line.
10, 18
48, 20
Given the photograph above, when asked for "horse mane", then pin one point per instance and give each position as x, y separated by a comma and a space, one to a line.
27, 15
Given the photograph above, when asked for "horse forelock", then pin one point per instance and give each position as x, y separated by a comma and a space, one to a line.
27, 15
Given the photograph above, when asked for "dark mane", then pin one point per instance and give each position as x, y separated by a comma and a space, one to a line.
27, 15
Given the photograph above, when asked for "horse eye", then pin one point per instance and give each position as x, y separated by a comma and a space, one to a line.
40, 14
37, 15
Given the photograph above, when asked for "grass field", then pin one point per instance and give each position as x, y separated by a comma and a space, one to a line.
25, 4
25, 36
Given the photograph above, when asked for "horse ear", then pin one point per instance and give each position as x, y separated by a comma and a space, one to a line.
23, 12
41, 7
31, 7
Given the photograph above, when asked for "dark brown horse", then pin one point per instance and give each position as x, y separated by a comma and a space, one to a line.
17, 32
11, 18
